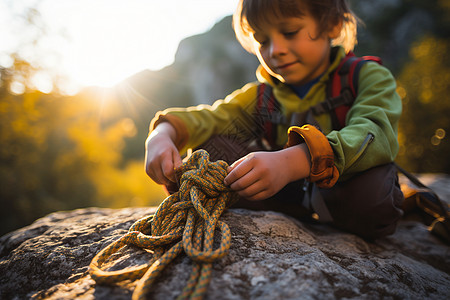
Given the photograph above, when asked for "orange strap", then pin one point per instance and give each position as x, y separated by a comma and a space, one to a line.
323, 171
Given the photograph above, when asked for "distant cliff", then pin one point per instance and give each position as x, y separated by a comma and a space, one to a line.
207, 67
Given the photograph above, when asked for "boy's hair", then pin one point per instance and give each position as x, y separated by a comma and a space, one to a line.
250, 14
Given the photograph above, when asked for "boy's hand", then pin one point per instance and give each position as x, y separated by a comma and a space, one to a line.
260, 175
161, 154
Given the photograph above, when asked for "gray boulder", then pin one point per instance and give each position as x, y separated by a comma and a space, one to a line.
272, 256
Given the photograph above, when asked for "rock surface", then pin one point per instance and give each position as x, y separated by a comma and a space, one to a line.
272, 257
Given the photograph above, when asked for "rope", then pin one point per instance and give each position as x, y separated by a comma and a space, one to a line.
186, 220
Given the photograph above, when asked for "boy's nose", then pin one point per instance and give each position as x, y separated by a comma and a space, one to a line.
277, 47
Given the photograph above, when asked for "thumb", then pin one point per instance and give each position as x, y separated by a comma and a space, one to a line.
176, 158
175, 162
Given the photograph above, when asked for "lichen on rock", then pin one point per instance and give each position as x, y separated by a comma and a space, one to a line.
272, 256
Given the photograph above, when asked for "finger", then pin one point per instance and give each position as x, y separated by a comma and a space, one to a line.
168, 170
155, 173
177, 162
253, 190
157, 168
245, 182
238, 169
150, 170
262, 195
235, 164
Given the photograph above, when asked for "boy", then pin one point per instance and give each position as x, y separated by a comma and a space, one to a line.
341, 175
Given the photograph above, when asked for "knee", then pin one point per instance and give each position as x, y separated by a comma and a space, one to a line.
367, 207
381, 216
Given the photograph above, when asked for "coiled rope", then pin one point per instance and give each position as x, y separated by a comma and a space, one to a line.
186, 220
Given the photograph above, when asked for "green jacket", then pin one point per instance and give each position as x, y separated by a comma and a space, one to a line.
369, 138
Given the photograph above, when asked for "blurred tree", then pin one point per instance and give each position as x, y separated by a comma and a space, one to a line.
32, 138
61, 153
425, 124
392, 26
411, 36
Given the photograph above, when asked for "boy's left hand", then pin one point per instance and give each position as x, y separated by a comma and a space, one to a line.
260, 175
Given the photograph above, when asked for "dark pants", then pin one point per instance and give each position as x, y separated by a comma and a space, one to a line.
368, 204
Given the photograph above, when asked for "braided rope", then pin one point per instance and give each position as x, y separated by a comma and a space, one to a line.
186, 220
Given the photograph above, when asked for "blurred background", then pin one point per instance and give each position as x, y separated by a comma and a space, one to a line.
80, 81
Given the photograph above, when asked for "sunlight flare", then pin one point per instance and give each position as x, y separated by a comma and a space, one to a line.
103, 42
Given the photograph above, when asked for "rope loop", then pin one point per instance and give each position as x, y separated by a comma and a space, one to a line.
184, 221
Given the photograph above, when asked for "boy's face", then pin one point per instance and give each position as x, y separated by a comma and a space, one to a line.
290, 50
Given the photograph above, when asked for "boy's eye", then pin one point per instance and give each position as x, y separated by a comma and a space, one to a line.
290, 33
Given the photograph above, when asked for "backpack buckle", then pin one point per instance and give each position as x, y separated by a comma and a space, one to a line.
347, 96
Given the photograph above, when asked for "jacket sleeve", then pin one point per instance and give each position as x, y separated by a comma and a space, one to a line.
195, 125
370, 135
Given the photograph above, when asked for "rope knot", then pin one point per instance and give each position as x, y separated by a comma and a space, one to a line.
207, 176
186, 220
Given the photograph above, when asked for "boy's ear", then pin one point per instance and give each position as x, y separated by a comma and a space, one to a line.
335, 30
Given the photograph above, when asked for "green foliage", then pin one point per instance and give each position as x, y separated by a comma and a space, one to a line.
411, 37
425, 124
61, 153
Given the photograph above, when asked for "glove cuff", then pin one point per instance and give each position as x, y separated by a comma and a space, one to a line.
323, 171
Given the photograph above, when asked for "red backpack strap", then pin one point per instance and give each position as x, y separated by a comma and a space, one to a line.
343, 87
268, 114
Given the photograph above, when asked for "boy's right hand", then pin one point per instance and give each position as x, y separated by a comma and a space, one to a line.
161, 154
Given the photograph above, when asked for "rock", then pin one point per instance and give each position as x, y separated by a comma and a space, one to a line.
272, 256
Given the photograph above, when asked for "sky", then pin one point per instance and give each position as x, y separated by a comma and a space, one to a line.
101, 42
